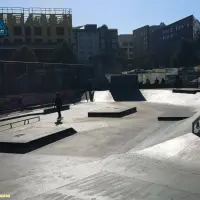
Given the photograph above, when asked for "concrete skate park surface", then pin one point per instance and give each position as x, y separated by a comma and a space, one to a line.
134, 157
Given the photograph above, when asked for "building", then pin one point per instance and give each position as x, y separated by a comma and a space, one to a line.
90, 41
126, 44
141, 41
165, 39
35, 27
86, 42
108, 40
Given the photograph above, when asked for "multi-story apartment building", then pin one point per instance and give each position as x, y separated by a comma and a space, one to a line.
86, 42
126, 44
166, 38
108, 40
141, 41
38, 27
90, 41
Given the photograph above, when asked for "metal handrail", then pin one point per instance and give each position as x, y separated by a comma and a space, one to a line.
196, 121
24, 120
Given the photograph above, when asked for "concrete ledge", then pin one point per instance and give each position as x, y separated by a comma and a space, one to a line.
171, 118
52, 110
113, 112
22, 146
186, 91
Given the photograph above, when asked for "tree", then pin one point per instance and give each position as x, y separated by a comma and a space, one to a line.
64, 54
187, 54
25, 54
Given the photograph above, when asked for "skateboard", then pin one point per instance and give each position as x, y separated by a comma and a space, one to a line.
59, 121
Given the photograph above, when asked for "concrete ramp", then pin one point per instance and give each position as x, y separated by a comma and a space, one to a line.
103, 96
99, 96
168, 97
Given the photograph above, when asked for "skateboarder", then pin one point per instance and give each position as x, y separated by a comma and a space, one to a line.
58, 105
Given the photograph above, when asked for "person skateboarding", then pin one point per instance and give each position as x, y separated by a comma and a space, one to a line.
58, 105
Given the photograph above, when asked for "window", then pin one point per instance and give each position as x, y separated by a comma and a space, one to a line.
49, 41
17, 30
188, 25
81, 47
60, 30
125, 43
60, 40
38, 41
18, 42
171, 35
48, 31
28, 41
6, 42
38, 31
27, 31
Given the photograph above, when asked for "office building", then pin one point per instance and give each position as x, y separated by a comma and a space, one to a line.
90, 41
86, 42
126, 44
165, 39
141, 41
108, 40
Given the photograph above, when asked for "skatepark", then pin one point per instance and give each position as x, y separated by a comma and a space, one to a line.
149, 152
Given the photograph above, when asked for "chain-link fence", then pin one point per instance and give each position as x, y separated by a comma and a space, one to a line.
22, 78
151, 77
187, 79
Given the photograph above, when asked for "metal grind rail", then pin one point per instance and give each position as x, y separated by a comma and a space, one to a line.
26, 121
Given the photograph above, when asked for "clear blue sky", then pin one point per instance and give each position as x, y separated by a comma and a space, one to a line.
125, 15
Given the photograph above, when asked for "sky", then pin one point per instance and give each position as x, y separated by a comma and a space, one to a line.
125, 15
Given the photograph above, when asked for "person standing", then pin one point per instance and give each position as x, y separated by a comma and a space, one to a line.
58, 105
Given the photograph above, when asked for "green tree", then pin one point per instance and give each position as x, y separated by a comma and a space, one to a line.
64, 54
25, 54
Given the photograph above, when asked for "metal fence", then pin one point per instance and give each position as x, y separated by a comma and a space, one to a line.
190, 79
152, 76
23, 77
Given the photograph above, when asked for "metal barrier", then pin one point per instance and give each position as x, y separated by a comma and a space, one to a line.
196, 126
24, 120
